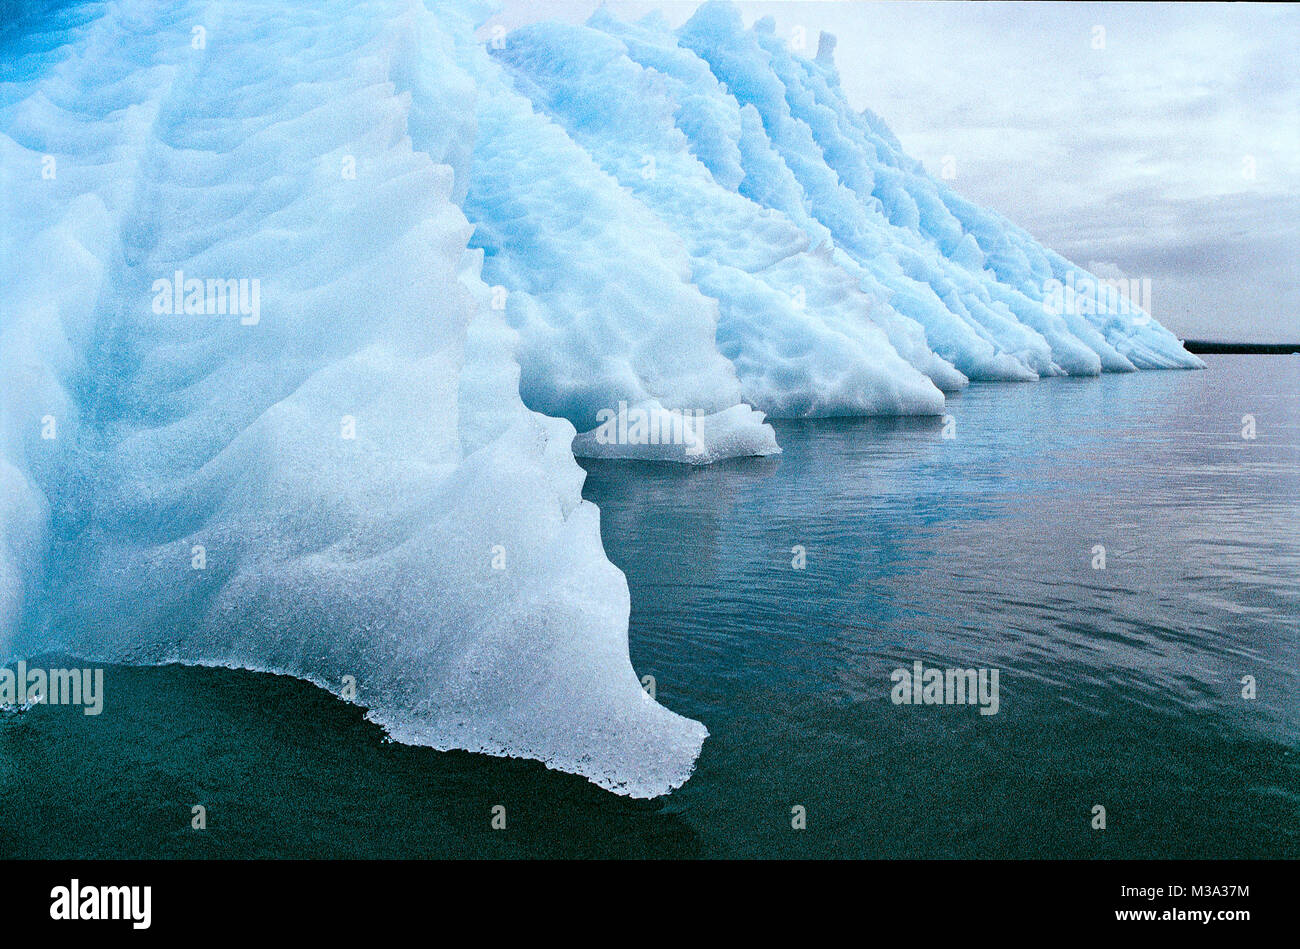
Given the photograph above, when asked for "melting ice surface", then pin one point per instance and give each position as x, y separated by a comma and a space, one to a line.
302, 303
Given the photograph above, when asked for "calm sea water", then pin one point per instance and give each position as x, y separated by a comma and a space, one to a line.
1119, 686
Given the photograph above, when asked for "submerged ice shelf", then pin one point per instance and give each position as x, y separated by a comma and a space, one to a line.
402, 269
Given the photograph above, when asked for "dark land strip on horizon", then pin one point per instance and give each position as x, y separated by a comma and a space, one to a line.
1262, 349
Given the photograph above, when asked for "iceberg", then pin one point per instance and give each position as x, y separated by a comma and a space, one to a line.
848, 280
351, 487
307, 308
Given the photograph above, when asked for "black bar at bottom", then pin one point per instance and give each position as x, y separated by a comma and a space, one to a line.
298, 899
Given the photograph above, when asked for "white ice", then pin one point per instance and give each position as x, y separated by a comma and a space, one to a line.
443, 556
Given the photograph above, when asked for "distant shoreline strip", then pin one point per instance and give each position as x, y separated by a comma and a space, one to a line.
1265, 349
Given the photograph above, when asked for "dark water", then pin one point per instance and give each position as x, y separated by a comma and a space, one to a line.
1119, 687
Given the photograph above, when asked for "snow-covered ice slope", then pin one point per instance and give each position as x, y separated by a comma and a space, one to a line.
338, 479
301, 303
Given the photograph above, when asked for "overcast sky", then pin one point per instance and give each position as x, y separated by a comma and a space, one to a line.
1170, 152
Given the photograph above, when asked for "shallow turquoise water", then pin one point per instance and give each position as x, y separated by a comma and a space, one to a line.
1119, 687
